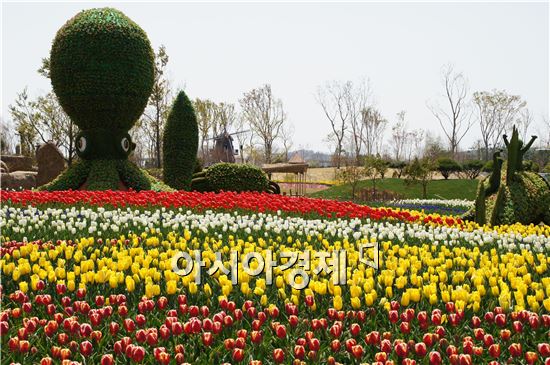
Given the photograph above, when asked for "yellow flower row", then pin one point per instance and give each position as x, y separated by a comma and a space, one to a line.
142, 264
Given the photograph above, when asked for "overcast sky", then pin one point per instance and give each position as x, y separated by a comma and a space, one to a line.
218, 51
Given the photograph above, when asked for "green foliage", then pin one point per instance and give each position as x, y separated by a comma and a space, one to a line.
181, 140
447, 166
472, 168
530, 165
132, 176
351, 175
231, 177
375, 166
399, 167
71, 179
102, 69
103, 144
488, 167
546, 168
512, 194
420, 171
438, 189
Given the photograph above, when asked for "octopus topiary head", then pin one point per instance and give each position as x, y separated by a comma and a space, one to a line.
102, 71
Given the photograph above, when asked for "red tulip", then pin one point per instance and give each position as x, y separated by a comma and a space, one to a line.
335, 345
278, 356
494, 351
299, 352
435, 358
393, 316
517, 326
543, 349
280, 331
86, 348
401, 349
531, 357
515, 350
405, 327
355, 329
138, 353
357, 351
229, 343
46, 361
420, 349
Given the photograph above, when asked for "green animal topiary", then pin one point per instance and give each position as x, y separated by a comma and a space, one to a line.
510, 194
180, 144
102, 71
233, 177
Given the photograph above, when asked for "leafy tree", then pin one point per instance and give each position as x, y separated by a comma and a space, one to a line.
472, 168
42, 120
351, 175
399, 168
375, 167
420, 171
447, 166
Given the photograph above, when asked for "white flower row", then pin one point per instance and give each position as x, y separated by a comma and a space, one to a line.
31, 223
458, 203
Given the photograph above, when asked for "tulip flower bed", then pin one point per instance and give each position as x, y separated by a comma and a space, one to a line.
89, 278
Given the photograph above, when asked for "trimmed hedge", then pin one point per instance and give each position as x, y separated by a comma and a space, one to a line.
231, 177
472, 168
447, 166
180, 144
102, 69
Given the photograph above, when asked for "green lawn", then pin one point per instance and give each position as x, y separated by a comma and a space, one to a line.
437, 189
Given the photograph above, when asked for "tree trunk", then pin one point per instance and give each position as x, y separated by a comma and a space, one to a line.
424, 190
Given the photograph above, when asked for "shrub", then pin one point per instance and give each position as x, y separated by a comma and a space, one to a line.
546, 168
447, 166
102, 69
231, 177
399, 167
472, 168
488, 167
530, 165
420, 171
180, 144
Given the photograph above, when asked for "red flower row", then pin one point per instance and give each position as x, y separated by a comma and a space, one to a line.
258, 202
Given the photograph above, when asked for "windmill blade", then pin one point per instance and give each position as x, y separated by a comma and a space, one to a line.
246, 131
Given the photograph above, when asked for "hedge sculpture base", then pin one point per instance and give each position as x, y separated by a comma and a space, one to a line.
105, 175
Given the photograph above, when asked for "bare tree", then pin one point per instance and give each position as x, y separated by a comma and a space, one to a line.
286, 135
496, 111
332, 98
205, 111
356, 98
545, 133
242, 138
399, 136
265, 115
523, 122
455, 119
225, 116
375, 125
158, 107
6, 137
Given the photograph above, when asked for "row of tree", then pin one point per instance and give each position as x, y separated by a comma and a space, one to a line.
357, 126
261, 115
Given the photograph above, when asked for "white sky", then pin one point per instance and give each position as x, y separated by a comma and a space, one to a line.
220, 50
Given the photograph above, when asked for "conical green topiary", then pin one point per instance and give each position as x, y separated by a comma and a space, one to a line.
180, 144
510, 194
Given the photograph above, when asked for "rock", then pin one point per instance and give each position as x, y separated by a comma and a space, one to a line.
17, 163
3, 167
19, 180
50, 163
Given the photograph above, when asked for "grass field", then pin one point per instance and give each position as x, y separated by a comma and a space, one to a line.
437, 189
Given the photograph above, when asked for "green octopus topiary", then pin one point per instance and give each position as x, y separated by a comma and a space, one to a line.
102, 71
510, 194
